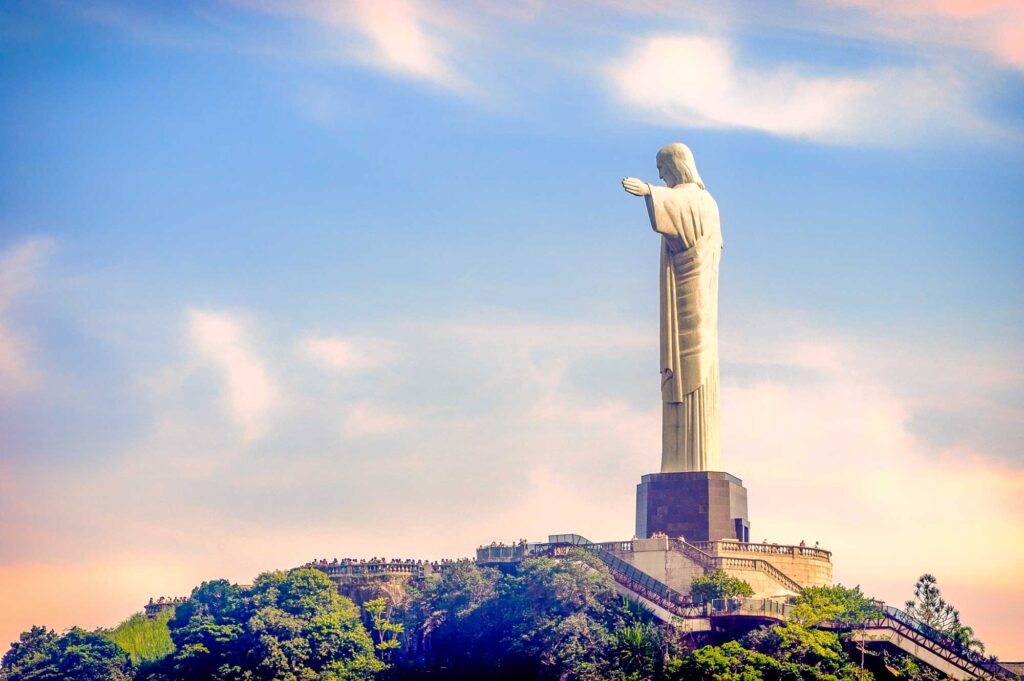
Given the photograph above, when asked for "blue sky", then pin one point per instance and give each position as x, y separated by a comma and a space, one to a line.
264, 265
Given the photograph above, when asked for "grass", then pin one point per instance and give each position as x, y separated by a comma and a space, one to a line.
142, 638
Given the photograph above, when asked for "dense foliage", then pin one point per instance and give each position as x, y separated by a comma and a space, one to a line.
286, 626
42, 655
718, 584
548, 618
849, 607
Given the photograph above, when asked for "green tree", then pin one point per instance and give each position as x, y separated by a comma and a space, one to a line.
77, 655
804, 652
964, 635
838, 603
718, 584
930, 608
30, 651
904, 666
636, 650
928, 605
557, 618
287, 626
452, 621
557, 615
208, 632
385, 631
729, 662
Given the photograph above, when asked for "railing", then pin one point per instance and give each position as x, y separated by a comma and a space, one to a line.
716, 547
779, 576
352, 569
155, 607
751, 607
634, 579
617, 546
695, 554
498, 554
710, 562
373, 568
677, 604
940, 639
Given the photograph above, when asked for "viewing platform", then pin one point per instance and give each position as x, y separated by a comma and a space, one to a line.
773, 570
159, 605
892, 627
348, 570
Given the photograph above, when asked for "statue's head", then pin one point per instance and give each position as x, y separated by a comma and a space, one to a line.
676, 165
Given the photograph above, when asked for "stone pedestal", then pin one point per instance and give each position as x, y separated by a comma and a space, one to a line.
699, 506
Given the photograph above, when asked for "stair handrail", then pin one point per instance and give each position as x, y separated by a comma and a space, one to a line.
636, 579
673, 601
710, 562
702, 558
779, 576
947, 642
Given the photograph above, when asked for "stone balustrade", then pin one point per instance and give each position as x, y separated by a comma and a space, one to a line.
378, 566
717, 548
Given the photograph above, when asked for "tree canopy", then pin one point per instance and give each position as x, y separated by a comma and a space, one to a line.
77, 655
929, 607
543, 618
287, 626
718, 584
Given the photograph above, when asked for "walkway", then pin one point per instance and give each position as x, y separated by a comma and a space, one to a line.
894, 626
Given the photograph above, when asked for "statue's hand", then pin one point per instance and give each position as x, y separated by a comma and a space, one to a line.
636, 187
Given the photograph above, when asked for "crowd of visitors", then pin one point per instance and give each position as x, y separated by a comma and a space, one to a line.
375, 564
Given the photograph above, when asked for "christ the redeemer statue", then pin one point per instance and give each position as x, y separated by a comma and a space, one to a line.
686, 216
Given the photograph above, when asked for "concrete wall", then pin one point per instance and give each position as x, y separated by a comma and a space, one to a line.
762, 583
671, 567
675, 569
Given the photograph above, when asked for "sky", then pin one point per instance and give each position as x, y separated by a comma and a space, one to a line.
287, 280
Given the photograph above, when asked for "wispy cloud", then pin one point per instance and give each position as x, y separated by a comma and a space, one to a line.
20, 265
992, 27
522, 420
698, 81
223, 340
936, 63
366, 420
413, 39
345, 354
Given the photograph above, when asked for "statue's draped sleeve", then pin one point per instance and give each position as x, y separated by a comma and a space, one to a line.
687, 218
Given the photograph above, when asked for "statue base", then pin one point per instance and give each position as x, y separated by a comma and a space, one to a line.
697, 505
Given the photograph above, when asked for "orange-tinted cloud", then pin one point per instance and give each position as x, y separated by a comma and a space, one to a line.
532, 439
994, 27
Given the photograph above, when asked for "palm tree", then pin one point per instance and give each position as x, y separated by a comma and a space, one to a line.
964, 635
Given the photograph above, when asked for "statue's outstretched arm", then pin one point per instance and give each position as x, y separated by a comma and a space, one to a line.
635, 186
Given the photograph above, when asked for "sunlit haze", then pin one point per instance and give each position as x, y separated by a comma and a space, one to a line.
289, 280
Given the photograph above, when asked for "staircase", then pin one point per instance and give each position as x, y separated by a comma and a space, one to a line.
893, 626
709, 562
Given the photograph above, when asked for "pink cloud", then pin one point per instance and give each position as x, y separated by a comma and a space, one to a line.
833, 460
532, 449
223, 340
349, 354
994, 27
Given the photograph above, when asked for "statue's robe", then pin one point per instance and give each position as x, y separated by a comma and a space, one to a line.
686, 216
